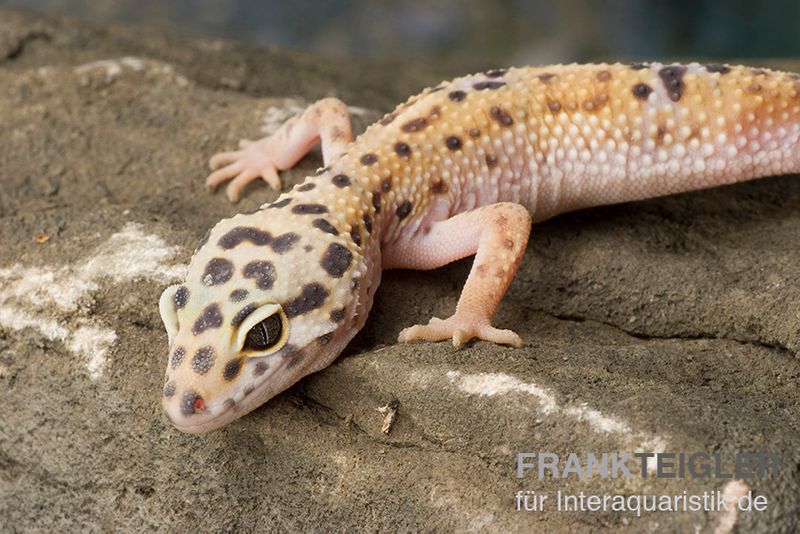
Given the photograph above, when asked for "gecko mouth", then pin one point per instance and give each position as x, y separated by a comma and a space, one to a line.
206, 418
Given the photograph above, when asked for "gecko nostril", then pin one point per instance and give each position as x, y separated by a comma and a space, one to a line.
192, 403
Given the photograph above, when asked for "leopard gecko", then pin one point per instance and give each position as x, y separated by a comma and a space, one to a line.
462, 168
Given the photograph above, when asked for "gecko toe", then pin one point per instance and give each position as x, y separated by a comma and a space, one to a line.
223, 158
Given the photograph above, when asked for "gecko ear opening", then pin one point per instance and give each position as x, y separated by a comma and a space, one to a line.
166, 307
263, 332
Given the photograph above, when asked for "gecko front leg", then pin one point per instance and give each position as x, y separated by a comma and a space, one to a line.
497, 234
327, 121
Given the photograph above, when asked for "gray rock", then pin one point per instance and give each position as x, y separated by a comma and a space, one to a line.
669, 324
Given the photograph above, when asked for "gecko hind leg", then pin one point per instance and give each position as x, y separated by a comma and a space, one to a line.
497, 234
327, 121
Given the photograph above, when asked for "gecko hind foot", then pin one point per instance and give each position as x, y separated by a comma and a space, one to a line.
253, 160
461, 330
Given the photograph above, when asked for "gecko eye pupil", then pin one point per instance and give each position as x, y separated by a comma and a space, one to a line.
265, 334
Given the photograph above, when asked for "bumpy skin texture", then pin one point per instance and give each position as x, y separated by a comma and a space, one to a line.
460, 169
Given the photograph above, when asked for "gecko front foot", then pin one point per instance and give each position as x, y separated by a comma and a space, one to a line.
253, 159
461, 329
327, 121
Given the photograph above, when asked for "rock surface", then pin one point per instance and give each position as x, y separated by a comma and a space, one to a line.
666, 325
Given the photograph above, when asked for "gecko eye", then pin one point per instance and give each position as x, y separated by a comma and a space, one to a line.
264, 331
265, 334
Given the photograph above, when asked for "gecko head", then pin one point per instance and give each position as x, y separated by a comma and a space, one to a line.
268, 298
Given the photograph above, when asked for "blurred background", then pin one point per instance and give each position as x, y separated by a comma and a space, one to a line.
472, 34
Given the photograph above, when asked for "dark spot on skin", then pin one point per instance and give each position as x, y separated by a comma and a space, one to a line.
203, 240
260, 368
203, 360
238, 295
262, 271
415, 125
480, 86
283, 243
229, 404
495, 73
180, 297
189, 403
554, 106
355, 235
337, 314
342, 180
481, 270
388, 118
376, 201
312, 297
252, 211
642, 91
474, 132
439, 187
232, 369
457, 96
292, 355
218, 271
403, 209
368, 224
639, 66
672, 77
716, 67
754, 87
325, 226
321, 170
661, 131
355, 284
336, 260
244, 233
307, 186
501, 116
210, 318
453, 143
280, 203
386, 184
325, 339
177, 357
402, 150
508, 243
369, 159
435, 112
248, 390
603, 75
309, 209
308, 248
547, 77
169, 389
242, 314
491, 161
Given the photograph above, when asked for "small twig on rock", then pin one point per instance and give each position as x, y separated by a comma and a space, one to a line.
390, 411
